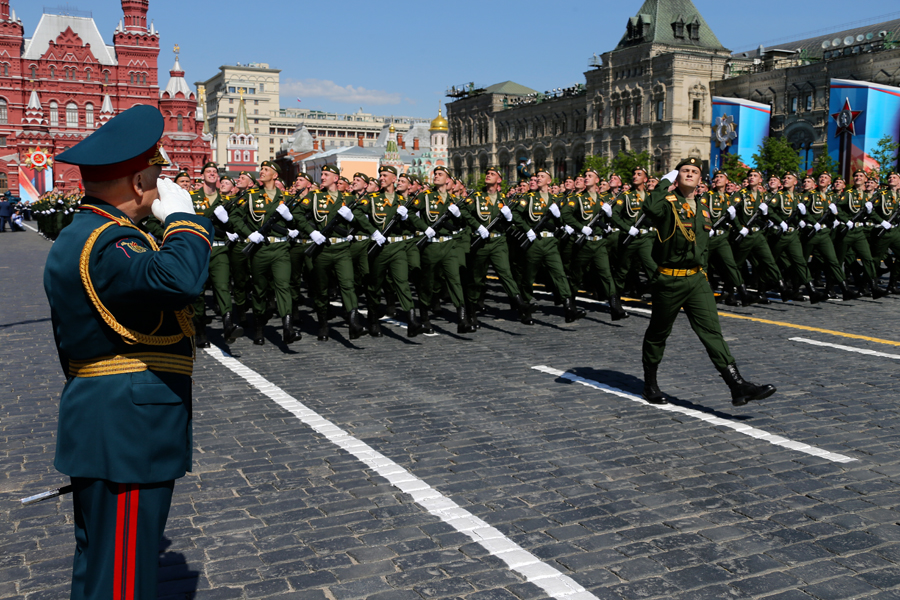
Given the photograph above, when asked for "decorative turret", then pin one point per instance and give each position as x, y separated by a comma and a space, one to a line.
106, 111
439, 130
135, 15
439, 123
391, 156
34, 113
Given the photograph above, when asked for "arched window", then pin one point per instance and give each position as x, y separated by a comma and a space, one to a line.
246, 156
6, 69
87, 74
105, 76
143, 78
52, 71
54, 114
4, 183
71, 115
180, 123
4, 115
132, 77
89, 115
33, 72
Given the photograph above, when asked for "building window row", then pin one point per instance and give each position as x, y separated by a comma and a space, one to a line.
626, 73
72, 116
69, 73
138, 78
799, 104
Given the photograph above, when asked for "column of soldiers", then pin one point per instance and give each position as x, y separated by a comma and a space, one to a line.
53, 211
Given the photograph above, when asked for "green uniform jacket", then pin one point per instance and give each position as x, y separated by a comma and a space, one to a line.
205, 207
318, 209
579, 209
481, 210
850, 203
429, 207
250, 216
885, 202
676, 224
628, 209
746, 204
125, 427
531, 209
816, 204
718, 203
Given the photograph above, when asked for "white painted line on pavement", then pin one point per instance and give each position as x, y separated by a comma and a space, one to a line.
553, 582
847, 348
711, 419
30, 227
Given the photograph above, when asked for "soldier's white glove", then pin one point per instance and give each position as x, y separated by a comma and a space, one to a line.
232, 237
346, 213
671, 176
763, 208
732, 213
403, 212
784, 226
172, 199
634, 231
886, 225
712, 233
531, 235
256, 237
587, 231
606, 208
454, 210
802, 224
317, 237
869, 207
568, 229
285, 212
832, 208
849, 224
818, 227
429, 233
221, 214
507, 214
554, 210
802, 209
744, 231
292, 233
483, 232
378, 238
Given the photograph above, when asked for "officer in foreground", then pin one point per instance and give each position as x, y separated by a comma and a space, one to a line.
683, 224
122, 324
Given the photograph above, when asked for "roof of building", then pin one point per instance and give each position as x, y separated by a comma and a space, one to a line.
656, 22
49, 28
814, 46
510, 88
176, 83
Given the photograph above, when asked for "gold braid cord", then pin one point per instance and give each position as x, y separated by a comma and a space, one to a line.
189, 224
129, 336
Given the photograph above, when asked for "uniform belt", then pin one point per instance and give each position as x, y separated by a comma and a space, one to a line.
360, 238
544, 234
495, 235
594, 238
396, 238
132, 363
678, 272
337, 240
216, 243
648, 230
790, 229
274, 240
438, 240
754, 229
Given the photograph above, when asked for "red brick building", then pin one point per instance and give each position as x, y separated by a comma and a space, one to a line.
65, 81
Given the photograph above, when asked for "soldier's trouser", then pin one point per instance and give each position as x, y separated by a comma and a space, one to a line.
788, 246
544, 252
594, 254
881, 245
723, 259
413, 262
392, 259
220, 277
118, 527
334, 259
755, 245
692, 293
298, 268
494, 253
441, 256
855, 240
271, 268
821, 247
640, 247
240, 274
359, 256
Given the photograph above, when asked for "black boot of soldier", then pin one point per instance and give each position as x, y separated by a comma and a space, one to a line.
462, 323
747, 297
374, 325
652, 393
424, 322
289, 334
525, 310
616, 309
742, 391
847, 293
784, 291
573, 313
815, 295
877, 291
413, 327
730, 297
200, 340
230, 331
322, 335
472, 312
356, 328
892, 287
259, 324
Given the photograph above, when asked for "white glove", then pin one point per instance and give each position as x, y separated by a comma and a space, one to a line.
172, 199
732, 213
802, 224
587, 231
429, 233
403, 212
317, 237
712, 233
568, 229
869, 207
849, 224
554, 210
784, 226
531, 235
221, 214
607, 208
886, 225
634, 231
506, 213
672, 175
832, 208
349, 238
763, 208
379, 239
818, 227
802, 209
232, 237
285, 212
346, 213
744, 232
454, 210
292, 233
256, 237
483, 232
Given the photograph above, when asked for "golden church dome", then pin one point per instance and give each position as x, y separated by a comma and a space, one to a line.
440, 123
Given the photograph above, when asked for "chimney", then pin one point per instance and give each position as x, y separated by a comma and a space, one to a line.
415, 143
359, 140
400, 141
315, 144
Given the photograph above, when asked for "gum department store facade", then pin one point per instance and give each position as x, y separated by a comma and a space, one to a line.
653, 93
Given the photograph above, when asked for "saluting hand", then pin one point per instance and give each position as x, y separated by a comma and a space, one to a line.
172, 199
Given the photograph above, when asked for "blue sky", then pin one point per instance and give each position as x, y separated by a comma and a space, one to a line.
399, 58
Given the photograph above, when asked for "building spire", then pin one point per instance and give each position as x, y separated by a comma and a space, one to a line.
135, 15
242, 124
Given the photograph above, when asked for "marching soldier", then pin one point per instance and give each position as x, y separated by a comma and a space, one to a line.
183, 180
885, 236
853, 207
626, 215
719, 203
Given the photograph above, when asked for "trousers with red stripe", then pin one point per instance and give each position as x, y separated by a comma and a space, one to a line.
118, 527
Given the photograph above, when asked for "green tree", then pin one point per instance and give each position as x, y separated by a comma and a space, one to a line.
626, 162
886, 156
825, 164
733, 167
598, 163
775, 156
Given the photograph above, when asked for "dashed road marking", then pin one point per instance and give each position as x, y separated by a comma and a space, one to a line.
552, 581
846, 348
711, 419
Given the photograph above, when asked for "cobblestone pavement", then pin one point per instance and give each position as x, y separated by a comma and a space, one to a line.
617, 497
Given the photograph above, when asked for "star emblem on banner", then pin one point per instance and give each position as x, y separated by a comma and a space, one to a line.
845, 119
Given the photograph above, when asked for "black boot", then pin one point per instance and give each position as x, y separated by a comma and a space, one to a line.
848, 294
616, 310
423, 319
652, 393
356, 328
230, 331
877, 292
462, 322
322, 336
730, 297
413, 327
472, 312
784, 291
742, 391
259, 324
573, 313
289, 334
200, 338
815, 295
747, 297
374, 325
892, 287
525, 310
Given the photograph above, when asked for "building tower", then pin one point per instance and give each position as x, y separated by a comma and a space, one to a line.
135, 15
182, 136
242, 148
391, 156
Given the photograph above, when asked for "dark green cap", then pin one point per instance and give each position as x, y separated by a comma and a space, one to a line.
251, 176
210, 164
182, 174
692, 161
332, 169
387, 169
271, 165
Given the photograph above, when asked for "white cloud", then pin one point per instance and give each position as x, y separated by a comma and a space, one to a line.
324, 88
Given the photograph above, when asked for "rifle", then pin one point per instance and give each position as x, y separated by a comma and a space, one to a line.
440, 220
251, 249
229, 206
860, 216
826, 214
582, 239
375, 249
314, 249
881, 230
637, 225
479, 241
526, 244
737, 238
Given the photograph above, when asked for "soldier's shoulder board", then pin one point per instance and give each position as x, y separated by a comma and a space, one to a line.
672, 198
